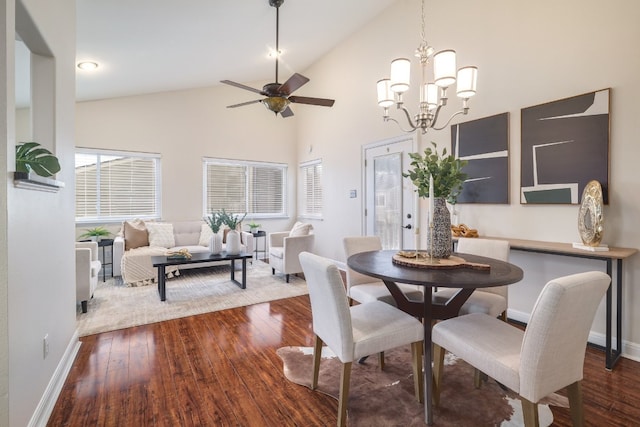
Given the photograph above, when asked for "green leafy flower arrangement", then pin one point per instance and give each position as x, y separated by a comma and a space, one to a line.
445, 169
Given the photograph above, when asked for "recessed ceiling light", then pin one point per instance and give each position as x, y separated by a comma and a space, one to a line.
87, 65
272, 53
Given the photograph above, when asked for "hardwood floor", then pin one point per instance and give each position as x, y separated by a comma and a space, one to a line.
221, 369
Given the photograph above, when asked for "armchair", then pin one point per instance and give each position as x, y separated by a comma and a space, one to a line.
87, 271
285, 246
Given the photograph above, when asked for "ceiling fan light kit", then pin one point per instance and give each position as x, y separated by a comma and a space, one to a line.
278, 96
433, 95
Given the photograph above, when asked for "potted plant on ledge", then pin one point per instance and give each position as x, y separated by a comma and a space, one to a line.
445, 172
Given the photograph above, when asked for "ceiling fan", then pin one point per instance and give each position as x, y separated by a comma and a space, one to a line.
278, 95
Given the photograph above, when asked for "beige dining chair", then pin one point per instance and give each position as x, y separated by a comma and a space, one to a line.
492, 301
357, 331
363, 288
544, 358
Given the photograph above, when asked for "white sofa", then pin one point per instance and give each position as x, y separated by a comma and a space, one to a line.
134, 265
87, 271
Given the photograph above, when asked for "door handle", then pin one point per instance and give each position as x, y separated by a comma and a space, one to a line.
408, 226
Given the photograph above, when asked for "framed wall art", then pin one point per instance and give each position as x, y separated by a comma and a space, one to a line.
565, 145
484, 143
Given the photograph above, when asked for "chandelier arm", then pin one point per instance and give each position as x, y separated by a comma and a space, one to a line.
391, 119
463, 111
406, 113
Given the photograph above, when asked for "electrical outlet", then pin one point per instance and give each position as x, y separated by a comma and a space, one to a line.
45, 346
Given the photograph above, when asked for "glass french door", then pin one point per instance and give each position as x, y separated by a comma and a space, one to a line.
389, 201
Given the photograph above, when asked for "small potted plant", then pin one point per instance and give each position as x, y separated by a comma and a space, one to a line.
96, 234
253, 227
214, 221
234, 246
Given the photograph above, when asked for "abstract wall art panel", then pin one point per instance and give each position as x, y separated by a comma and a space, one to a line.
484, 143
565, 144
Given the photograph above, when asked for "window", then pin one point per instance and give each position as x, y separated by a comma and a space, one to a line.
311, 189
112, 186
257, 188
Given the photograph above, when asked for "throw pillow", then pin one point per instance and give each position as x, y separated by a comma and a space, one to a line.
135, 234
300, 229
205, 235
161, 234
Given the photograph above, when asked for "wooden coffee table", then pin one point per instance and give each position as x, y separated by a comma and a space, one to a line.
161, 262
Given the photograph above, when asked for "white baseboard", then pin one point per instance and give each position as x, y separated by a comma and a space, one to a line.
47, 402
630, 350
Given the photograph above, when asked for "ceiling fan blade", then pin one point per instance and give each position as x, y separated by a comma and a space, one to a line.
286, 112
244, 103
241, 86
312, 101
295, 82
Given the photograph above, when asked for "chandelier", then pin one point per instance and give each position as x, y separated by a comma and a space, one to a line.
433, 95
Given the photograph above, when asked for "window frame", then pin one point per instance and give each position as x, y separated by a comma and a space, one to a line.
247, 164
303, 213
130, 154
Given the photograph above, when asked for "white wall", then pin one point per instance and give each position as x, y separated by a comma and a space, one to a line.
527, 54
185, 126
37, 257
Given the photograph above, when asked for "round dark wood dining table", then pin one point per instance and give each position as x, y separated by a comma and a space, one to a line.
380, 264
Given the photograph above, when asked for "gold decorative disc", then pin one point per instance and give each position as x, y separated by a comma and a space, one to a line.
590, 216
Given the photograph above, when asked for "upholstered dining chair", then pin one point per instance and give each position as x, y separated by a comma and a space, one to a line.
363, 288
353, 332
544, 358
492, 301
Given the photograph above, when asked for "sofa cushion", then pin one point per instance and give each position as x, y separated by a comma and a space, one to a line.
187, 233
161, 234
300, 229
205, 235
135, 234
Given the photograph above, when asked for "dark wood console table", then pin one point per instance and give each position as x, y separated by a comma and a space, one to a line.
613, 254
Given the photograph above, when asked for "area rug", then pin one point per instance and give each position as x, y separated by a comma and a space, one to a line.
386, 398
116, 306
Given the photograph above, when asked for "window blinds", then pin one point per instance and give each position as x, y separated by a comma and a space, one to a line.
116, 187
238, 187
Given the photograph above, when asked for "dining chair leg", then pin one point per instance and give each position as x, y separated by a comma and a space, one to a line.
530, 413
575, 403
343, 398
317, 353
503, 316
418, 380
438, 365
479, 377
381, 360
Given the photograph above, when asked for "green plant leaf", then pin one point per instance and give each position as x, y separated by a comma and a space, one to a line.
30, 156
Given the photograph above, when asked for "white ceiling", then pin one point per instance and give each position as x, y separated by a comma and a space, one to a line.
146, 46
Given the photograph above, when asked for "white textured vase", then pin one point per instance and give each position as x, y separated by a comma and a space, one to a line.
215, 244
234, 247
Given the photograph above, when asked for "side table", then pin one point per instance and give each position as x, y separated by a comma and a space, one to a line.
256, 235
104, 243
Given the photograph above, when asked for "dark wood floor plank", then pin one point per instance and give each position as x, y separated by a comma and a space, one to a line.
221, 369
